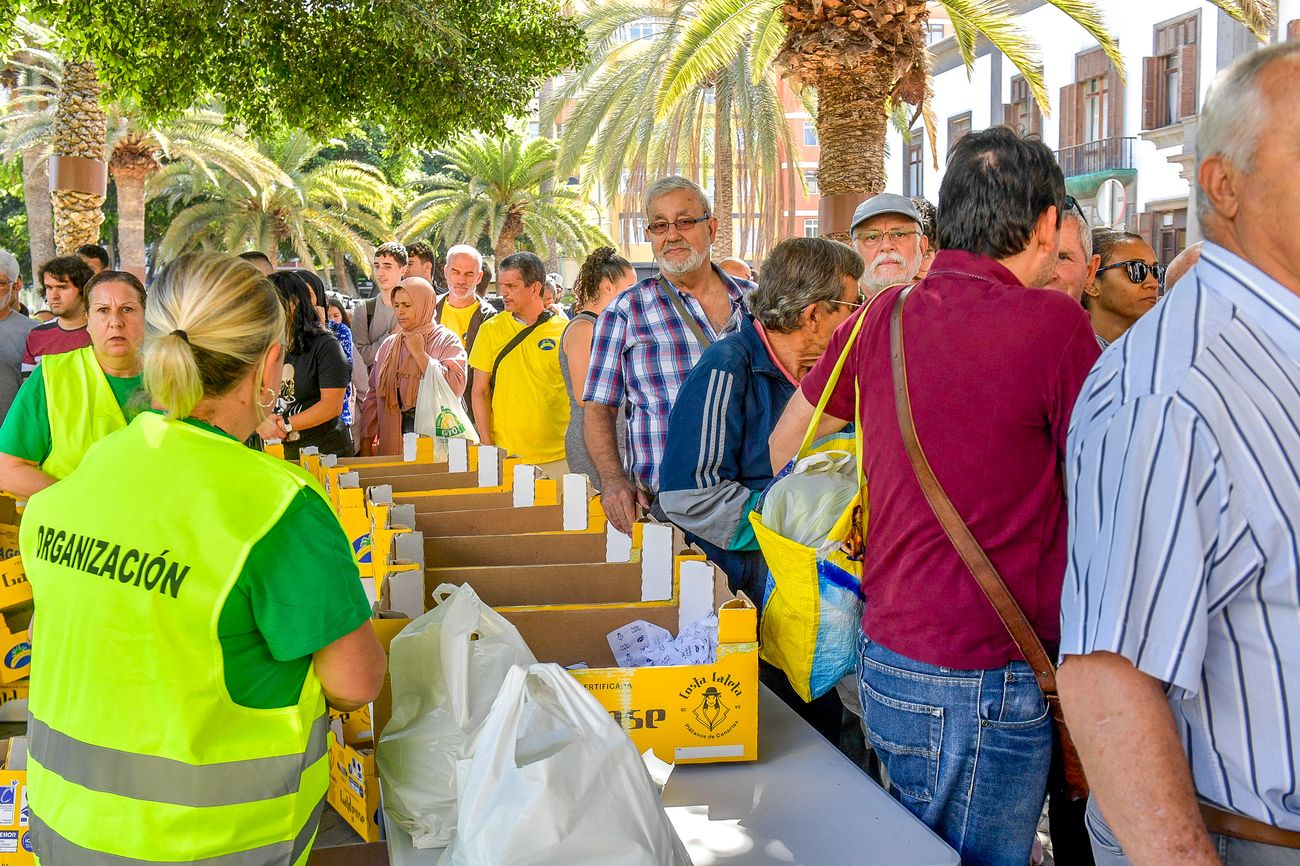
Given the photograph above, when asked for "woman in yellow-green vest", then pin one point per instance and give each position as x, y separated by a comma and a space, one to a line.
197, 603
76, 398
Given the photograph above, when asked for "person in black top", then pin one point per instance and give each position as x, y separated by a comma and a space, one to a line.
315, 381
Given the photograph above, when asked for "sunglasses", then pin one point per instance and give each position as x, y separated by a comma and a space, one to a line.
1071, 203
1137, 271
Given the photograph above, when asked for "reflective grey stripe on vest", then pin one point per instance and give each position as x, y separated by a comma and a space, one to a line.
55, 850
165, 780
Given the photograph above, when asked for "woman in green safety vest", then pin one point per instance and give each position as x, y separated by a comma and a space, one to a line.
73, 399
198, 603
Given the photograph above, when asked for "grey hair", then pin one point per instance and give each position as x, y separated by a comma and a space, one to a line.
465, 250
8, 265
673, 183
1235, 114
799, 272
1085, 233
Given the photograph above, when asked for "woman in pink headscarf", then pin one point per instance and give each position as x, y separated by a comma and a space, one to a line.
418, 347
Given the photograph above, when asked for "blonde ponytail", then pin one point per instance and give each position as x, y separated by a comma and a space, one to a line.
209, 319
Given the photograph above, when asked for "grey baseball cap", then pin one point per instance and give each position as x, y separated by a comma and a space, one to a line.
886, 202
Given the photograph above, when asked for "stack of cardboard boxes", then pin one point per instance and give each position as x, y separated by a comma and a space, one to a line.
540, 552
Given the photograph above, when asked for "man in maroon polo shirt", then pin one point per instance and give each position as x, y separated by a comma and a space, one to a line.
993, 368
63, 282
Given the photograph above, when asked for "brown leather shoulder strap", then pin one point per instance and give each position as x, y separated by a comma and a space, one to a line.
992, 584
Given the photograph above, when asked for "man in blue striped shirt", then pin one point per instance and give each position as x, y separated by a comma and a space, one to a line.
1181, 610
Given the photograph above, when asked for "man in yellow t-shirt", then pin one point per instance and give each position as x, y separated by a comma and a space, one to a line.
526, 409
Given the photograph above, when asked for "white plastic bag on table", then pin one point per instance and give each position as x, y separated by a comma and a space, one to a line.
439, 413
805, 505
447, 667
554, 780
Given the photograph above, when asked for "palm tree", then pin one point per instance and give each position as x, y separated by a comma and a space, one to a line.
318, 207
136, 150
867, 58
80, 127
30, 76
492, 186
642, 108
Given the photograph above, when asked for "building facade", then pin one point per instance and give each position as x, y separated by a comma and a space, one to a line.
1126, 142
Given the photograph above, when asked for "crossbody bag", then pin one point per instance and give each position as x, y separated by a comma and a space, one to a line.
990, 582
514, 344
685, 315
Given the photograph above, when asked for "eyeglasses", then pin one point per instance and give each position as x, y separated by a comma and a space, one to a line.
862, 299
874, 237
1137, 270
682, 224
1072, 203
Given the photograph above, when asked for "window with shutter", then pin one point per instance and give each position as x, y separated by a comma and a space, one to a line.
1069, 108
1022, 113
1153, 75
1189, 84
958, 128
914, 165
1171, 78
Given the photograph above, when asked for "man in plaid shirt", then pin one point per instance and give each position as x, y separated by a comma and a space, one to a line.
647, 340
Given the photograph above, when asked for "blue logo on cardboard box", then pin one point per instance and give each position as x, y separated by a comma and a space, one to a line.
361, 547
19, 657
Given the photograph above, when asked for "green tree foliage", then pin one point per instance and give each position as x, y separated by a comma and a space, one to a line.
492, 186
325, 206
424, 70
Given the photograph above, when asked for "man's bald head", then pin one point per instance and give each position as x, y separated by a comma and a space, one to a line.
1181, 264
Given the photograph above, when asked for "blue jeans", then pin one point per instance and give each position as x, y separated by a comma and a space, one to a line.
967, 751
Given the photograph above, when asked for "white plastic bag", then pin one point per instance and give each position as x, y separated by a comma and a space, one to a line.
447, 667
554, 780
805, 505
439, 413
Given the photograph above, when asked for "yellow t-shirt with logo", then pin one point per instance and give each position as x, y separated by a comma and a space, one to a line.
457, 319
530, 406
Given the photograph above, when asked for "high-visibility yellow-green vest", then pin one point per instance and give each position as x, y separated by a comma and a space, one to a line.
81, 407
137, 753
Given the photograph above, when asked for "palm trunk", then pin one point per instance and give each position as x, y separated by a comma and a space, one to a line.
851, 124
722, 169
40, 217
342, 282
511, 229
552, 256
80, 130
130, 219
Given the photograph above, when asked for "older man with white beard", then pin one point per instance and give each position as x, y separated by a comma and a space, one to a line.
649, 338
886, 232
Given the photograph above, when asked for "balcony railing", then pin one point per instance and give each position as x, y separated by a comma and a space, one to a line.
1108, 154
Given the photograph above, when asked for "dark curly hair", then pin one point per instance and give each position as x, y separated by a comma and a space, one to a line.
603, 264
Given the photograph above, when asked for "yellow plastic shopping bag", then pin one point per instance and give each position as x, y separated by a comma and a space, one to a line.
812, 607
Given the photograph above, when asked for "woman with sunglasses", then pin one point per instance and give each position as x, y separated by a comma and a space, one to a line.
1128, 283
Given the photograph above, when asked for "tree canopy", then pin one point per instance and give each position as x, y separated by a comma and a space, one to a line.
425, 70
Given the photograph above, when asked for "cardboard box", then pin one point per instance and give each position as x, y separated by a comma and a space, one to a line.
8, 540
354, 787
15, 841
528, 569
15, 591
686, 713
351, 728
